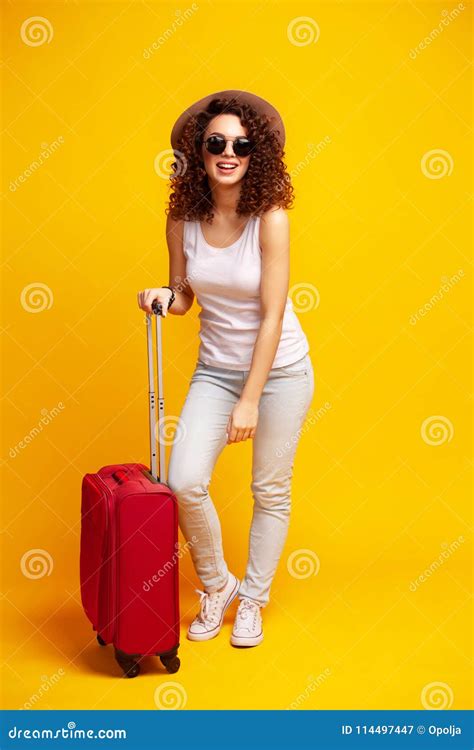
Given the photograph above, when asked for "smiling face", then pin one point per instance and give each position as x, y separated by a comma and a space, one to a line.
226, 168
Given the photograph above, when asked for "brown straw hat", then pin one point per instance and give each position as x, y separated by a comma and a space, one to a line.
260, 105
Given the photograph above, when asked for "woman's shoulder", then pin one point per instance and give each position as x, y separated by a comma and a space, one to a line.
177, 234
276, 216
174, 224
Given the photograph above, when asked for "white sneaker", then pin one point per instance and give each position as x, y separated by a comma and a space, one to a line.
208, 622
248, 629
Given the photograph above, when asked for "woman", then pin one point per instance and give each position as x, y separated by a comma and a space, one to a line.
228, 239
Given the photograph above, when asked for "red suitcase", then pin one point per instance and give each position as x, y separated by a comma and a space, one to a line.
129, 548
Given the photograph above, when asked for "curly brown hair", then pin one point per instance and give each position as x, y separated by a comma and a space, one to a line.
265, 185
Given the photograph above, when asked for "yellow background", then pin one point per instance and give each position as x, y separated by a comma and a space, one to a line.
373, 234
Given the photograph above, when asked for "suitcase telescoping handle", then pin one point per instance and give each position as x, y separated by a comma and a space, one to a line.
157, 314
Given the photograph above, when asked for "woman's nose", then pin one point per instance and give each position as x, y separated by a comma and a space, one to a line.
229, 149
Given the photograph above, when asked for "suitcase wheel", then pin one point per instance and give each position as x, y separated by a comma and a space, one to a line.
128, 662
170, 660
133, 671
100, 641
171, 664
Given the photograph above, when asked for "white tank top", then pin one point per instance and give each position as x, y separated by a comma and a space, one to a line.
226, 282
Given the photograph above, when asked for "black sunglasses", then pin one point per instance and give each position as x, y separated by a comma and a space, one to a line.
216, 144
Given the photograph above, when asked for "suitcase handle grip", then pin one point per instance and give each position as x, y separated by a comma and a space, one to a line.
157, 307
121, 476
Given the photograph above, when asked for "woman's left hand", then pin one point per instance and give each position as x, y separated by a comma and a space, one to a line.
242, 421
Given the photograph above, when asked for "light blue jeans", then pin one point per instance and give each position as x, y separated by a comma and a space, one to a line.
200, 438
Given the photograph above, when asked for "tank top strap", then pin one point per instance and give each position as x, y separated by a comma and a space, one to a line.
255, 227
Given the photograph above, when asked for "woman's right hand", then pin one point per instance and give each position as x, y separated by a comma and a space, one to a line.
146, 297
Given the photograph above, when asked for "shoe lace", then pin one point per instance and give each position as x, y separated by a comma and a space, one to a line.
208, 604
247, 609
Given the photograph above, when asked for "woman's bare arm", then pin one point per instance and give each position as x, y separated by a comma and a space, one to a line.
275, 244
184, 295
177, 269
